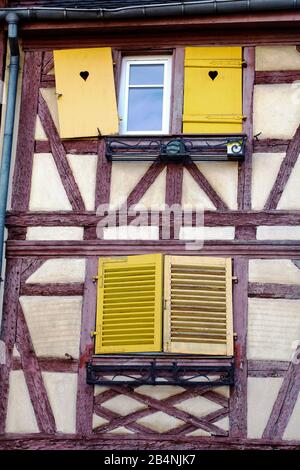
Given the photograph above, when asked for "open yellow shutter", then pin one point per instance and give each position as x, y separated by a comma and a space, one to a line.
212, 90
85, 92
129, 305
198, 305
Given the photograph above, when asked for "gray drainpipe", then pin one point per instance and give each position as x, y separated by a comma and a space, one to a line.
176, 8
12, 20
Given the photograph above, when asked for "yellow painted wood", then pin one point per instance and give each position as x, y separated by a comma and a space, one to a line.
213, 106
198, 313
85, 103
129, 304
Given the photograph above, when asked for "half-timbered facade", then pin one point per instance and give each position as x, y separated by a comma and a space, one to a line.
70, 157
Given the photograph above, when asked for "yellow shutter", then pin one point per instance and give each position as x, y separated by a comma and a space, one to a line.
212, 90
198, 305
85, 92
129, 306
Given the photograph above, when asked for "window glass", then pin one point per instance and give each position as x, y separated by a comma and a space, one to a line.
150, 74
145, 109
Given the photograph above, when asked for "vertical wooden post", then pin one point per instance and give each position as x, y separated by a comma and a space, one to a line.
238, 398
85, 393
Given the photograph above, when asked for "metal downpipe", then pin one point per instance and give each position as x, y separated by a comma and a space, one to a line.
12, 20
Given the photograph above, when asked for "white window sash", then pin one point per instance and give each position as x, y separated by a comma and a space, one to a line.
124, 92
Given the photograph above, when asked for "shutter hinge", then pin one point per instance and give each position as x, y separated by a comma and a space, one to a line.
93, 333
95, 278
235, 335
235, 279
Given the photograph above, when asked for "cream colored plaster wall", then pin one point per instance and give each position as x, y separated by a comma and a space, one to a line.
265, 167
293, 428
54, 324
47, 192
62, 391
277, 58
223, 177
207, 233
193, 197
262, 393
282, 232
59, 270
290, 199
124, 177
84, 169
276, 111
20, 416
278, 271
54, 233
273, 328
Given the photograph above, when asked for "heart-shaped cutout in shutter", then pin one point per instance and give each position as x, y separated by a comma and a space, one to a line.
213, 74
84, 75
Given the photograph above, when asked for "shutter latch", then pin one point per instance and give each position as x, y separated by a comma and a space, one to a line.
235, 279
95, 278
93, 333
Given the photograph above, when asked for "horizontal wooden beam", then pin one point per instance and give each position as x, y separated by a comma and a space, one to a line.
80, 147
274, 291
169, 442
267, 368
52, 289
282, 76
211, 218
252, 249
50, 364
270, 145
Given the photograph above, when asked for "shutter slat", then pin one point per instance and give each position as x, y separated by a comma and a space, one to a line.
129, 306
198, 319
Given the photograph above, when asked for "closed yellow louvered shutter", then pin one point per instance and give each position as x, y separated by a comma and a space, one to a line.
85, 92
198, 305
212, 90
129, 306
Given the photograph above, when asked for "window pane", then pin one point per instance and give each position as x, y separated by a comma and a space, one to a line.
146, 74
145, 109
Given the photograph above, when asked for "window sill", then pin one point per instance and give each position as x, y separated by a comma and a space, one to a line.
160, 369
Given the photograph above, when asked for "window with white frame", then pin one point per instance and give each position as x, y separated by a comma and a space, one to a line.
145, 94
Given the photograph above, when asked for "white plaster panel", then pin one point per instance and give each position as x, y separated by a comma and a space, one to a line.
84, 169
278, 271
124, 177
59, 270
160, 422
121, 430
127, 232
265, 167
47, 192
16, 352
123, 405
273, 328
54, 324
20, 414
62, 391
206, 233
276, 110
277, 58
159, 393
98, 421
193, 197
262, 393
292, 430
49, 95
223, 178
154, 197
54, 233
198, 406
282, 232
290, 197
199, 432
223, 423
39, 130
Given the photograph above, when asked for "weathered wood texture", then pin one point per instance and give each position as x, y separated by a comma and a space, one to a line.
33, 376
85, 393
249, 249
273, 291
281, 76
103, 176
267, 368
106, 442
248, 219
270, 145
238, 397
8, 330
285, 402
177, 90
245, 168
174, 184
52, 289
60, 158
284, 172
80, 147
50, 364
25, 148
